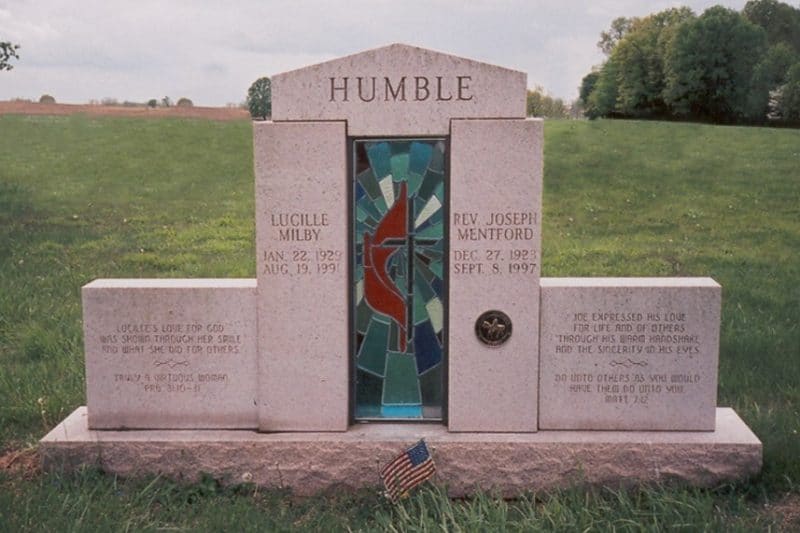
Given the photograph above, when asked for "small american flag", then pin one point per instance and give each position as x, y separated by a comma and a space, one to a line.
407, 470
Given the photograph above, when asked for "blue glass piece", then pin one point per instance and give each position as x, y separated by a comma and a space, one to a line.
437, 285
426, 346
359, 191
380, 159
401, 411
420, 157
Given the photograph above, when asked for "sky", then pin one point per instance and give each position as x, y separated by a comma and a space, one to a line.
211, 51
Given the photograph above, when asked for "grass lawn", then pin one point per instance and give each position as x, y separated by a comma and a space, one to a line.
84, 198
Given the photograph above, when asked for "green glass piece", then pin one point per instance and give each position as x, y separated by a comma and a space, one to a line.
368, 205
400, 147
423, 269
363, 314
420, 312
437, 268
422, 288
372, 356
435, 255
414, 181
369, 390
439, 192
434, 231
401, 385
370, 184
437, 159
399, 167
400, 281
429, 185
394, 336
431, 386
380, 205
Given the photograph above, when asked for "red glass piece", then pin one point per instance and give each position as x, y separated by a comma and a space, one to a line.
380, 291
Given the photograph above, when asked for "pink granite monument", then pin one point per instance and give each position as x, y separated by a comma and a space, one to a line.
398, 296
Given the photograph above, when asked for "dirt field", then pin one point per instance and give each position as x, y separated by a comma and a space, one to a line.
211, 113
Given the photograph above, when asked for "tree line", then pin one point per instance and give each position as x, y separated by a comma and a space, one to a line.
722, 66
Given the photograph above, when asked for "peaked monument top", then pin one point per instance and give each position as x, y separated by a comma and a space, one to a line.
398, 90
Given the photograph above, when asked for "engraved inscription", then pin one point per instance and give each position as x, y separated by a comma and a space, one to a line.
402, 89
164, 354
623, 355
297, 250
494, 243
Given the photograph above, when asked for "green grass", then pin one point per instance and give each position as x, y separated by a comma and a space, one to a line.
85, 198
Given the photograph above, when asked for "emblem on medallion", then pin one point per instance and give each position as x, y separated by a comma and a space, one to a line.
493, 328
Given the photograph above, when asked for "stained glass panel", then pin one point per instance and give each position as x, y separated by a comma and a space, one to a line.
398, 287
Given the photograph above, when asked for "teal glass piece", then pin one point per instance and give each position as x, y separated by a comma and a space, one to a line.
414, 181
398, 286
372, 356
380, 155
399, 165
401, 385
402, 411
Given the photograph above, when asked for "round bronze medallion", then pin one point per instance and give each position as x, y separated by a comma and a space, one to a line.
493, 328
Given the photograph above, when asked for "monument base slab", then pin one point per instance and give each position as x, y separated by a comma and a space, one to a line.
508, 463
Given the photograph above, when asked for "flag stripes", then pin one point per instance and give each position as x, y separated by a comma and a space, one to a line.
406, 471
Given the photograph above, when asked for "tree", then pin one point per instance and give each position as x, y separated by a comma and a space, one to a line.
709, 65
769, 75
609, 39
8, 52
184, 102
588, 84
789, 96
259, 98
639, 56
542, 105
603, 99
780, 21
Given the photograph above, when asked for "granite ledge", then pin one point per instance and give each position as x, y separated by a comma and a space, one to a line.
509, 463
